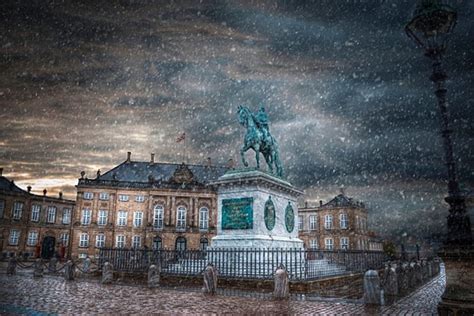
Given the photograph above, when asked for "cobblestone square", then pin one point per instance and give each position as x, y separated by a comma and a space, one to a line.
22, 294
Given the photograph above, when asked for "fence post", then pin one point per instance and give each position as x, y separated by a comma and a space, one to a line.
53, 262
153, 276
372, 291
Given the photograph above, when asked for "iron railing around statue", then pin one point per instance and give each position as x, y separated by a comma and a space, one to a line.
302, 264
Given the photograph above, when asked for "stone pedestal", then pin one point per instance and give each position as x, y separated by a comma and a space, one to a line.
256, 210
458, 298
38, 269
107, 273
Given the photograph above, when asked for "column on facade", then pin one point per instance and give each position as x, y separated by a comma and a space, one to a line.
172, 211
196, 212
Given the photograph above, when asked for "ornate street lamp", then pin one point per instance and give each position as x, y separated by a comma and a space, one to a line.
430, 26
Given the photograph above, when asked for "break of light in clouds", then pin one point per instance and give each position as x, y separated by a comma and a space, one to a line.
347, 92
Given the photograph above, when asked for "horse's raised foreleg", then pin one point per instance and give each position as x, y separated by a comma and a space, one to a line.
243, 149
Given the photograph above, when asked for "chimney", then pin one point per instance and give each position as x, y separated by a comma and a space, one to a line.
1, 172
61, 195
230, 163
305, 204
320, 203
152, 159
83, 173
209, 162
29, 188
44, 192
129, 156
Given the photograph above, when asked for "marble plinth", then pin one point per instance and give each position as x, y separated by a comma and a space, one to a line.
256, 210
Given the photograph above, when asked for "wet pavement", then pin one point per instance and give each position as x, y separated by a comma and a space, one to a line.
22, 294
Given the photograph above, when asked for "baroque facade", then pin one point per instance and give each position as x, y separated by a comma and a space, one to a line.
146, 205
341, 223
33, 225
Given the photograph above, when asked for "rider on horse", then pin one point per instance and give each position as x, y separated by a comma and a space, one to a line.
261, 120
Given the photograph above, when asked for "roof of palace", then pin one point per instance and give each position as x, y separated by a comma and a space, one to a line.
7, 185
343, 201
159, 173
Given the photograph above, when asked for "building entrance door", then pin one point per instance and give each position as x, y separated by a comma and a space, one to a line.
47, 247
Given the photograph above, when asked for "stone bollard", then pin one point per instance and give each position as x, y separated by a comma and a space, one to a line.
38, 268
418, 274
86, 265
53, 262
403, 280
281, 282
391, 282
411, 276
11, 268
69, 271
430, 269
107, 273
210, 280
153, 276
372, 291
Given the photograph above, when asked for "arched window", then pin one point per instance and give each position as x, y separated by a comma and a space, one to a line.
203, 218
157, 243
203, 244
180, 244
158, 213
181, 218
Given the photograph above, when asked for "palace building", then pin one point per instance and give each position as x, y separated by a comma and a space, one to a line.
339, 224
33, 225
146, 205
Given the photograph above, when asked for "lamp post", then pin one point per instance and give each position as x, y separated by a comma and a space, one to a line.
430, 26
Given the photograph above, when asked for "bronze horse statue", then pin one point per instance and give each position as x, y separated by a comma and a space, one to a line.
259, 139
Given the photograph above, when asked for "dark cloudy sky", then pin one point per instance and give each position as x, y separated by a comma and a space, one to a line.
347, 92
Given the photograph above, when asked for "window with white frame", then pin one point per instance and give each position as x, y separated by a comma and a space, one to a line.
102, 217
136, 241
158, 213
120, 241
14, 237
313, 244
137, 219
313, 222
66, 215
181, 218
343, 221
104, 196
300, 222
100, 241
35, 212
84, 240
86, 216
88, 196
203, 218
64, 238
329, 243
2, 208
328, 221
17, 210
122, 218
51, 215
344, 243
32, 239
123, 198
139, 198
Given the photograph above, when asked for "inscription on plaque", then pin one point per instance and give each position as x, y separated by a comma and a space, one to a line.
237, 213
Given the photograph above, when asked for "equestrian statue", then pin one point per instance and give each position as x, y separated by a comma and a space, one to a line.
259, 139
